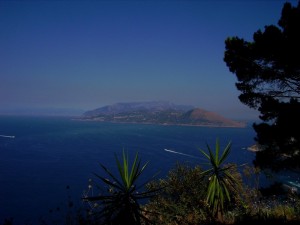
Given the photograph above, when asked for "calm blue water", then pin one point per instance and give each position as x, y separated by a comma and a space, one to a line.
48, 154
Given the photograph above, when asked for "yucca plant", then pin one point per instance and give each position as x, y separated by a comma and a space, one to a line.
121, 204
221, 181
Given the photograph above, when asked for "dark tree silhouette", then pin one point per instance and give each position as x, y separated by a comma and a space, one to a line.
268, 74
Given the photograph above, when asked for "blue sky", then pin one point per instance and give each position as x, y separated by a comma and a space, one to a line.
87, 54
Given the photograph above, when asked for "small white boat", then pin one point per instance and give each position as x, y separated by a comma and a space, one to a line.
7, 136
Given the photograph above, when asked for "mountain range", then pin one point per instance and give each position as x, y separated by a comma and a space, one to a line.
159, 112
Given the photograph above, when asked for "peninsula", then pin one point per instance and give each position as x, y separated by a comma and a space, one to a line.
162, 113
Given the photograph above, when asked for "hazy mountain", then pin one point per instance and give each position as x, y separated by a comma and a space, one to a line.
165, 113
136, 106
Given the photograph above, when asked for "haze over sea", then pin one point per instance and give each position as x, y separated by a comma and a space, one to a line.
47, 154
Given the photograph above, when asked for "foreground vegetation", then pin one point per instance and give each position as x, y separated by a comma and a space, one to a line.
186, 196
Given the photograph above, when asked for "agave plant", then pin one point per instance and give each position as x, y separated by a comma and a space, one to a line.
121, 204
221, 181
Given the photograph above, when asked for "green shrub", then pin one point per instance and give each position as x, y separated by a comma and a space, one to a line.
181, 199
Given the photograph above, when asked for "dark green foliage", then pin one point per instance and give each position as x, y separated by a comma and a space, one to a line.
268, 73
221, 182
181, 199
281, 140
121, 204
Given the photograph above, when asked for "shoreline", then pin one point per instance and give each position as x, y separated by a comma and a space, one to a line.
164, 124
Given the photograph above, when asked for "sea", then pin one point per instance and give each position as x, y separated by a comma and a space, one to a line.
46, 161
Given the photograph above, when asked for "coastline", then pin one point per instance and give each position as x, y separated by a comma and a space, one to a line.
243, 125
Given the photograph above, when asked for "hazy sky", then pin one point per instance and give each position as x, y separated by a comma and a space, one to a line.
87, 54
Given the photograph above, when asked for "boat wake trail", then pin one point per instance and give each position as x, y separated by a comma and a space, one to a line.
180, 153
7, 136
